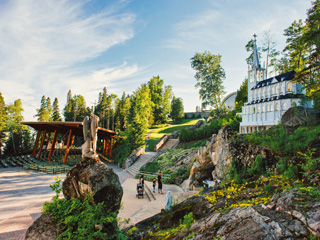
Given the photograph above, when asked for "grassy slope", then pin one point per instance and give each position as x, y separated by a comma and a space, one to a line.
159, 132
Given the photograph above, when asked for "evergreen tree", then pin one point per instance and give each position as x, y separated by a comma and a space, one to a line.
68, 110
56, 117
103, 107
43, 113
124, 107
139, 117
209, 76
177, 111
49, 109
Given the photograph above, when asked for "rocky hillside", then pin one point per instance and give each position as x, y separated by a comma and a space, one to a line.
239, 211
275, 197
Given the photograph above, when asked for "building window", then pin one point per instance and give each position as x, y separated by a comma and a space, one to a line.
289, 87
277, 88
254, 110
277, 106
282, 87
258, 109
284, 106
273, 89
263, 108
294, 104
271, 107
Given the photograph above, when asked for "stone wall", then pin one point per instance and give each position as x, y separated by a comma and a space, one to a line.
133, 157
162, 141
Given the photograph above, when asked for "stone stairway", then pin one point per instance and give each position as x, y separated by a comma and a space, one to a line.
169, 144
134, 169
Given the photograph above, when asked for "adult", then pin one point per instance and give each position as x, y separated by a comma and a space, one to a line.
142, 182
159, 183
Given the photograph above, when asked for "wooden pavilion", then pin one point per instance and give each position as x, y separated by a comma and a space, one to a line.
68, 130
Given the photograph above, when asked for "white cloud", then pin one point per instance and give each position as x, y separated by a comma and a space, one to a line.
41, 43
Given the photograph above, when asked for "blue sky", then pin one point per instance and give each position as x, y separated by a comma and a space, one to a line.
48, 47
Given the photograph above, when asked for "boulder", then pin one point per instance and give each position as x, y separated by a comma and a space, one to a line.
94, 177
300, 116
43, 229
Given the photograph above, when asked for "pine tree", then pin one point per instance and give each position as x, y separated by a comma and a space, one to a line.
68, 110
56, 117
49, 109
43, 113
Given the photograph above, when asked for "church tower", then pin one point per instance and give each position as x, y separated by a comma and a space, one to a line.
256, 73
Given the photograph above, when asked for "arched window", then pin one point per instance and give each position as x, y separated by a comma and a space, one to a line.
284, 106
258, 109
273, 89
289, 87
282, 87
254, 110
277, 106
263, 108
294, 104
271, 107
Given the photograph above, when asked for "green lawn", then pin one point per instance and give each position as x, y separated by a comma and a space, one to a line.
159, 132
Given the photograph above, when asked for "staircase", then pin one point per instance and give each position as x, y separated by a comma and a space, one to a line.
143, 159
169, 144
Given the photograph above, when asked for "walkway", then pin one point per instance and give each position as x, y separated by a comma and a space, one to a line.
22, 194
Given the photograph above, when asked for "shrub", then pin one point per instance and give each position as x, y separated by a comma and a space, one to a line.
258, 167
282, 166
78, 219
292, 172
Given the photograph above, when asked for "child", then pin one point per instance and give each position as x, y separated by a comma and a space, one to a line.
154, 185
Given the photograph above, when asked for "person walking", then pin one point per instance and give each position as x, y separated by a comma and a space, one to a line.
160, 183
142, 182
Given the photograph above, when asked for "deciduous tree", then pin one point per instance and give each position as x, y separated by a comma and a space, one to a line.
177, 110
209, 76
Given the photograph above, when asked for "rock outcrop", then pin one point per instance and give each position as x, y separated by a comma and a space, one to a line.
43, 229
90, 176
282, 218
300, 116
214, 159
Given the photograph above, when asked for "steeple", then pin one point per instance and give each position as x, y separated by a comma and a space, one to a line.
255, 62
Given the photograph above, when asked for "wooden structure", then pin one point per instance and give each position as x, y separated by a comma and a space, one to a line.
69, 130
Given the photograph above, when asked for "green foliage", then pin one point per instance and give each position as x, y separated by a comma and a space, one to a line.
242, 96
283, 141
78, 219
291, 172
213, 128
56, 117
269, 188
209, 76
75, 108
45, 110
282, 166
161, 99
188, 220
258, 167
177, 112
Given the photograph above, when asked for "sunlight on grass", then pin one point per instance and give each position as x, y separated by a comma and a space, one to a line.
159, 132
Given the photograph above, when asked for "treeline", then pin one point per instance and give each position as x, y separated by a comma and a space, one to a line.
130, 115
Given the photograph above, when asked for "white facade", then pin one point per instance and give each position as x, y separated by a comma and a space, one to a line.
269, 99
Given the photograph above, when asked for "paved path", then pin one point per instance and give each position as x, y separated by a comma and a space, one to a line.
22, 194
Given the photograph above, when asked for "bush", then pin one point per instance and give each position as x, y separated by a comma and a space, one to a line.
258, 167
78, 219
282, 166
292, 172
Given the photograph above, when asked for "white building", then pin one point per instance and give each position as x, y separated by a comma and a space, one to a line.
268, 99
230, 100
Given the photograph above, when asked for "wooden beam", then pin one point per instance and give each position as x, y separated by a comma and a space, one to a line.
111, 142
104, 145
42, 142
67, 149
107, 146
72, 141
36, 143
53, 143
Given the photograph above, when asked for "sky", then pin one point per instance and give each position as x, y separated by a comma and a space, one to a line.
48, 47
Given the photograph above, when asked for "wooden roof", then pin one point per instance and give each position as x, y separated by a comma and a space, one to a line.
64, 127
